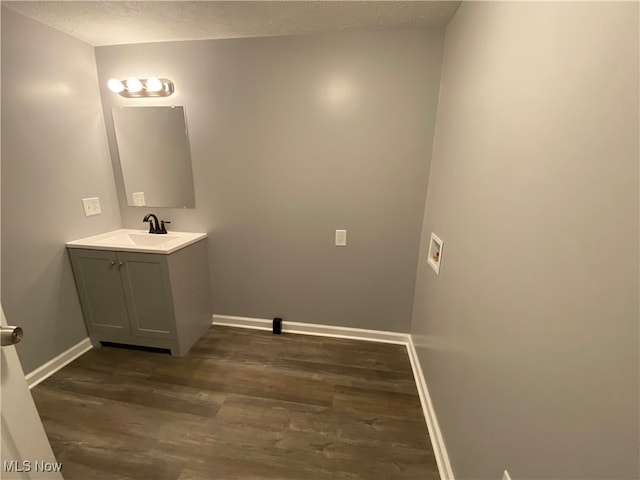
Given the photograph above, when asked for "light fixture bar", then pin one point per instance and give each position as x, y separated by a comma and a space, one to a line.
142, 87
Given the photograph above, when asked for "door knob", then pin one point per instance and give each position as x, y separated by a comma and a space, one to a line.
11, 335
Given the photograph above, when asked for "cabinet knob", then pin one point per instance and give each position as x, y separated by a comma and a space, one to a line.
113, 262
120, 264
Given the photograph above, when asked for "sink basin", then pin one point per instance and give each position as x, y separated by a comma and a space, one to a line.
138, 241
141, 239
150, 240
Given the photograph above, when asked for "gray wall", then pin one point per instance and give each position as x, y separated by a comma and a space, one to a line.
292, 138
529, 337
54, 153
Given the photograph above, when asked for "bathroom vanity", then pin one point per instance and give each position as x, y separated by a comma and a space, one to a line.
142, 289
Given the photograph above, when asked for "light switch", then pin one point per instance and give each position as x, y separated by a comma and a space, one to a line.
341, 238
91, 206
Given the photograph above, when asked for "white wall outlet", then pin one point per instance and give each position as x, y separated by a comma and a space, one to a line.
91, 206
138, 199
505, 476
341, 238
435, 253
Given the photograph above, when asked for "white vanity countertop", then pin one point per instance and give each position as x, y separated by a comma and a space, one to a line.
127, 240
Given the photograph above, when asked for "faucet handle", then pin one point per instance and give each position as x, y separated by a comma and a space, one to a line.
163, 229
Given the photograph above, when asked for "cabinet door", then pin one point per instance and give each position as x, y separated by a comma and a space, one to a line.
147, 291
100, 289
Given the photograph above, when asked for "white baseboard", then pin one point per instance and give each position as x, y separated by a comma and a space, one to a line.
242, 322
313, 329
439, 449
52, 366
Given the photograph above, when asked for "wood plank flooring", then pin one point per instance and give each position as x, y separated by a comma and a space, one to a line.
243, 404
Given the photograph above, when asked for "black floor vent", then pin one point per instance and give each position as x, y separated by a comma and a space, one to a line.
277, 326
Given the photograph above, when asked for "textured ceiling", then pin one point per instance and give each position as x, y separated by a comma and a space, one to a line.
112, 23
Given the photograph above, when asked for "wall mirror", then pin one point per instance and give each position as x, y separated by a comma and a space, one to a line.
153, 146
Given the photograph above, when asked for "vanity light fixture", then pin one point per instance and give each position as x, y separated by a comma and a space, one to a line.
115, 85
134, 87
154, 84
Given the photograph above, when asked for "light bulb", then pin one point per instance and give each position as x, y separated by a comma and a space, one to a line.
153, 84
115, 85
133, 85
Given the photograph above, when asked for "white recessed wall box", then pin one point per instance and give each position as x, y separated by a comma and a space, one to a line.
435, 253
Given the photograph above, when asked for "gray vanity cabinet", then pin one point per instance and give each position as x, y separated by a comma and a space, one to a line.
144, 299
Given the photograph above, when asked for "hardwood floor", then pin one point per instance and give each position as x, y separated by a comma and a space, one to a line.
243, 404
